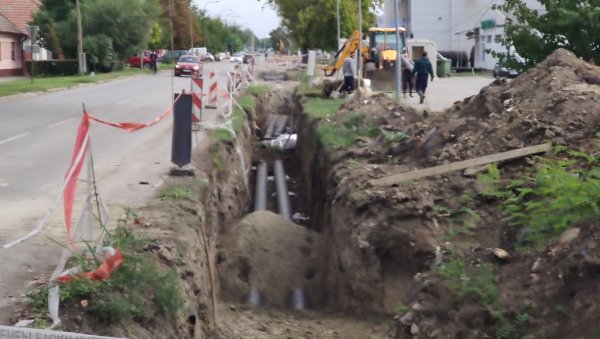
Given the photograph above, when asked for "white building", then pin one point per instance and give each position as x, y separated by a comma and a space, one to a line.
454, 25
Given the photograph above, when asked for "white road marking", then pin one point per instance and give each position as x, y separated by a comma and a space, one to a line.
60, 123
124, 101
14, 138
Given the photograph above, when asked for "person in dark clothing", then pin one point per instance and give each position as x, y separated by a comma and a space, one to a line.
423, 70
154, 62
407, 81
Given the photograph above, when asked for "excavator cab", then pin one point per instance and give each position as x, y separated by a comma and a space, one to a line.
382, 45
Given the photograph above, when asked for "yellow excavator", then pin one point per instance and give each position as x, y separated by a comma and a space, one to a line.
378, 53
350, 46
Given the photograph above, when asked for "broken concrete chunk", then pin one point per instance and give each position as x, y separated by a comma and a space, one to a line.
569, 235
501, 254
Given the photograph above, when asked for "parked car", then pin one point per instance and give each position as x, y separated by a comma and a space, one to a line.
237, 57
209, 57
172, 56
190, 65
135, 61
220, 56
501, 71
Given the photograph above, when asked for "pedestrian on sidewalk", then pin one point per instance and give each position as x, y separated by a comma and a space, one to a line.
423, 70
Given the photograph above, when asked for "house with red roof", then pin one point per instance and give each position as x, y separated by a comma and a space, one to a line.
15, 16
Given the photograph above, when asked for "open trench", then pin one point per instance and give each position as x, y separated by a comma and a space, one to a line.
281, 256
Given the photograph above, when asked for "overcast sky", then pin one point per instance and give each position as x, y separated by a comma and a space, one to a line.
252, 14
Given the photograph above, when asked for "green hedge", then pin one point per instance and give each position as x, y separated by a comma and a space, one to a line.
54, 67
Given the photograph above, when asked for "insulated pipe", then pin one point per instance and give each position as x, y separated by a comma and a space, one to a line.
270, 127
281, 123
298, 300
283, 199
254, 298
260, 190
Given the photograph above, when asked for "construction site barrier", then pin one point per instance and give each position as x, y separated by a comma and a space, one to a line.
212, 90
197, 84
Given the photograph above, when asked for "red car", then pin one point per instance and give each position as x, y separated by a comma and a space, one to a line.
189, 64
135, 61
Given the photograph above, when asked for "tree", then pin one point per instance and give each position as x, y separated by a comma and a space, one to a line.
308, 22
128, 24
569, 24
112, 29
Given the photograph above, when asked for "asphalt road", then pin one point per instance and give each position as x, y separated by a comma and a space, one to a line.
37, 134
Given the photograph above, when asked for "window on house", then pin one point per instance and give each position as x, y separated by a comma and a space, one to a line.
12, 51
497, 38
489, 39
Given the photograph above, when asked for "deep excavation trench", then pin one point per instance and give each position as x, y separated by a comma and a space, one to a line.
288, 254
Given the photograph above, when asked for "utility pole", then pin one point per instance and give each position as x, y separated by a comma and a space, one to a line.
360, 39
398, 52
191, 31
80, 55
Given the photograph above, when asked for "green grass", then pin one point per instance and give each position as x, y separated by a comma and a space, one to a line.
257, 89
223, 135
41, 84
216, 159
342, 134
139, 290
320, 108
176, 193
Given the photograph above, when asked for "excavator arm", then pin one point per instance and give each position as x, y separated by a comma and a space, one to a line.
349, 47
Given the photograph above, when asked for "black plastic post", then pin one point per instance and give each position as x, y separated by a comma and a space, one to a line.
181, 146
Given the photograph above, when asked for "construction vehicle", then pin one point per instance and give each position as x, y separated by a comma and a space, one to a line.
382, 45
349, 47
380, 53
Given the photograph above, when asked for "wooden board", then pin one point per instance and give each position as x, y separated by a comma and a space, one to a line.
459, 165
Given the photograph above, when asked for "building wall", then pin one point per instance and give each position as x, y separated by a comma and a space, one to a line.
446, 23
8, 66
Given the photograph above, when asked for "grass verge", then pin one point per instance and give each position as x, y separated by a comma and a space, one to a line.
41, 84
139, 290
320, 108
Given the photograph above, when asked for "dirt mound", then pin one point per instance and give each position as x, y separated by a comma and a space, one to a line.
267, 253
555, 101
381, 238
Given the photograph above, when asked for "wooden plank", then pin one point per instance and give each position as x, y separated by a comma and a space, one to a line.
459, 165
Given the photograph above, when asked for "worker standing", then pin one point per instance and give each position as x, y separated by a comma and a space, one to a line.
423, 70
348, 70
407, 67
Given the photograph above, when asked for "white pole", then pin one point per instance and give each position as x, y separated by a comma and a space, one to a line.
398, 53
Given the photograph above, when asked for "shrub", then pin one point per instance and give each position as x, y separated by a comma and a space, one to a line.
54, 67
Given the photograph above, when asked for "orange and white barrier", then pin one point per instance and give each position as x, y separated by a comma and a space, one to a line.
212, 90
197, 84
113, 259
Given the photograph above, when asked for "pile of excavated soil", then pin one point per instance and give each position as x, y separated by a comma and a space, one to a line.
242, 322
555, 101
382, 237
265, 252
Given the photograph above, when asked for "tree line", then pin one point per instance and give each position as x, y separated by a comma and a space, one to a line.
114, 30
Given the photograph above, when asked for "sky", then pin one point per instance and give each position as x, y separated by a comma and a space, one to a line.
252, 14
